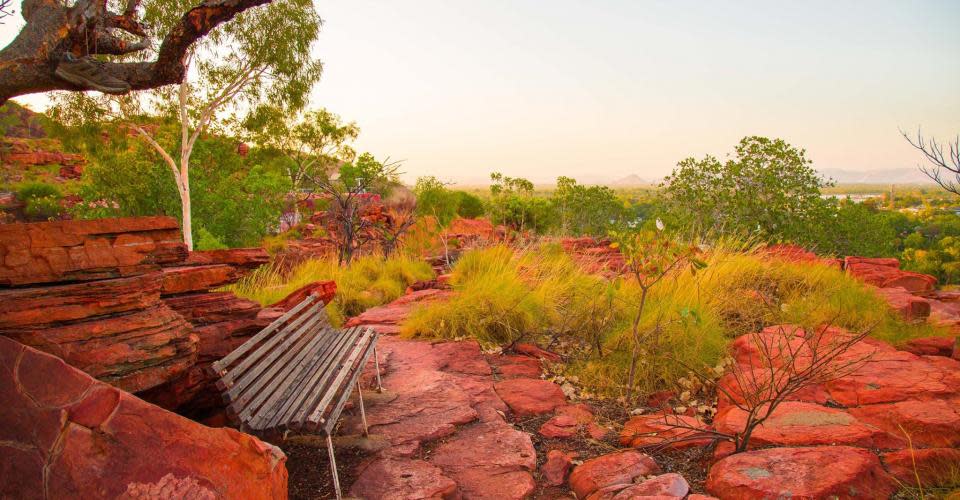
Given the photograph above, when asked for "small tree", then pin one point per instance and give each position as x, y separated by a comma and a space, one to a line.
511, 201
942, 166
768, 189
784, 363
434, 198
312, 142
585, 210
400, 210
350, 188
649, 256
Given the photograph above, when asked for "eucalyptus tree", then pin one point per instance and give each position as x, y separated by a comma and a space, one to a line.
313, 142
262, 56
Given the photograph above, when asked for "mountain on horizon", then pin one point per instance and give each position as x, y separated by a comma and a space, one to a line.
886, 176
631, 180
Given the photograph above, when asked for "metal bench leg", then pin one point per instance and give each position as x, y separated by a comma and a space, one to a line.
376, 365
363, 412
333, 466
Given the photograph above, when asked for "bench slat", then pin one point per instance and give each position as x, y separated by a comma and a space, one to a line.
274, 361
264, 396
244, 366
279, 344
317, 415
334, 414
281, 395
221, 365
295, 395
317, 384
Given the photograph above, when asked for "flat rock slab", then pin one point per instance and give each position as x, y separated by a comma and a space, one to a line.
527, 396
816, 472
444, 392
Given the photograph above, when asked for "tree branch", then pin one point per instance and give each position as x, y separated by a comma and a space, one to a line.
27, 64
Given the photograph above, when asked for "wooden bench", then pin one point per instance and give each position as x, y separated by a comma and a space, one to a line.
297, 374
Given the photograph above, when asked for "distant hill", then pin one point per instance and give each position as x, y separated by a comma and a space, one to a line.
889, 176
18, 121
631, 180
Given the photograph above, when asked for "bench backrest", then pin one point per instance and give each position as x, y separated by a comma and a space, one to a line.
296, 373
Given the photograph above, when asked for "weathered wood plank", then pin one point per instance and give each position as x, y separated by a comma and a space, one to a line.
330, 420
221, 366
295, 396
317, 414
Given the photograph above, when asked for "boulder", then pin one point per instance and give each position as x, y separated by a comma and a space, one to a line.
667, 430
666, 485
527, 396
934, 423
907, 305
514, 366
84, 250
65, 435
619, 468
116, 330
559, 427
324, 289
401, 479
801, 473
535, 351
886, 273
795, 423
554, 470
897, 376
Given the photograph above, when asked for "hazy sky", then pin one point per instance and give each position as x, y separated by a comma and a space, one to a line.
599, 90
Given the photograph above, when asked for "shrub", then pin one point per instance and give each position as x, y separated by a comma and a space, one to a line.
42, 200
505, 295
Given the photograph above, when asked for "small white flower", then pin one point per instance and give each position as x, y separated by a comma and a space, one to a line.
659, 224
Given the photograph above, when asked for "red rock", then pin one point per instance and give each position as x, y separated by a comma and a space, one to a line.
401, 479
896, 376
886, 273
934, 466
667, 430
60, 430
243, 258
325, 290
666, 485
559, 427
489, 460
908, 306
660, 399
82, 250
934, 423
697, 496
527, 396
796, 423
213, 307
116, 330
386, 319
800, 473
516, 366
197, 278
794, 253
536, 352
931, 346
616, 468
554, 470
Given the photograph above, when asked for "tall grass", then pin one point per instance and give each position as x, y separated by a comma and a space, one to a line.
505, 295
367, 282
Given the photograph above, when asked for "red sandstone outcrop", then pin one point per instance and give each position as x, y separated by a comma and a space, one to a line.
243, 258
86, 250
28, 152
386, 319
594, 255
65, 435
117, 330
616, 469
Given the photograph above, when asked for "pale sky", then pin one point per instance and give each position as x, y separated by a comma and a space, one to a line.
600, 90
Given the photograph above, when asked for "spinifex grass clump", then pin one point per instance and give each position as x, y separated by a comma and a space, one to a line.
367, 282
539, 293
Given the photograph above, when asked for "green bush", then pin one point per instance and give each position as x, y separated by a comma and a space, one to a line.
41, 200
